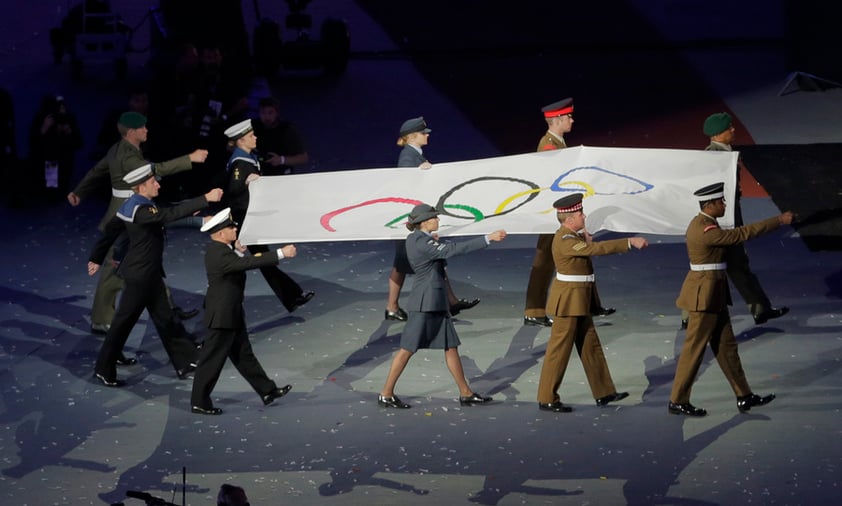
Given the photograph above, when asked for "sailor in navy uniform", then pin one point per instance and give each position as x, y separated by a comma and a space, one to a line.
226, 266
243, 168
142, 271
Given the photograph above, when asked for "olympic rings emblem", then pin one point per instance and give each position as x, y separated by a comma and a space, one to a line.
506, 206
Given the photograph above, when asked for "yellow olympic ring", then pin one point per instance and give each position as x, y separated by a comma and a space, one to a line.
589, 191
518, 195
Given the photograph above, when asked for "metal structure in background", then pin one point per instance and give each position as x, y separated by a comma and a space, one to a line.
92, 34
272, 53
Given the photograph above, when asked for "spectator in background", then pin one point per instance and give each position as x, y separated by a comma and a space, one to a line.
217, 98
8, 152
279, 146
54, 138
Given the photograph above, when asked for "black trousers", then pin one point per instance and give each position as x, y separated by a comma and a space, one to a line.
222, 344
150, 295
285, 288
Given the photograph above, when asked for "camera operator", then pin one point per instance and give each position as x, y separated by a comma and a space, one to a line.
54, 138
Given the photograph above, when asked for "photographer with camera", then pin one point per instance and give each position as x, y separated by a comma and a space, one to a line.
54, 138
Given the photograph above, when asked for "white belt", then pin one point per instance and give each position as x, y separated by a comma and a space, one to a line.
121, 194
574, 278
709, 267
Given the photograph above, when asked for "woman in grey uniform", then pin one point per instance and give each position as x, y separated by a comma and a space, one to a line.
429, 322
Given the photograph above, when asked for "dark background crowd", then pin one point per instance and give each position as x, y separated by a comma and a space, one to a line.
196, 78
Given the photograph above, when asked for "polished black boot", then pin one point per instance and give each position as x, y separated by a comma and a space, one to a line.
474, 398
616, 396
555, 407
746, 402
276, 394
391, 402
686, 409
538, 321
769, 314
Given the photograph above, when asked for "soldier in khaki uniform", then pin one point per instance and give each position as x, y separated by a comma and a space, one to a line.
705, 295
559, 118
122, 158
571, 301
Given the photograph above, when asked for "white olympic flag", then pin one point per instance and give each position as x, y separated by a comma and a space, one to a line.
626, 190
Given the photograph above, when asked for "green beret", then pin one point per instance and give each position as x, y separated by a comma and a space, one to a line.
717, 123
132, 119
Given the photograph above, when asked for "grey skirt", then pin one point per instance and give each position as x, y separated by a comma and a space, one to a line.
429, 330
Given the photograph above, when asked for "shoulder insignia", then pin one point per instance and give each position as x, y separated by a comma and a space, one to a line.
580, 246
153, 209
258, 254
236, 173
710, 227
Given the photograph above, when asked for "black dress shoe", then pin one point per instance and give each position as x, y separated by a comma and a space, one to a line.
768, 314
462, 304
302, 299
275, 394
555, 407
603, 311
474, 398
124, 360
185, 315
685, 409
538, 321
616, 396
683, 324
398, 316
108, 382
746, 402
391, 402
206, 411
100, 329
186, 372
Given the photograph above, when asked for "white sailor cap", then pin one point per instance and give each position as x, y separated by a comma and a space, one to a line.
238, 130
139, 175
220, 220
710, 192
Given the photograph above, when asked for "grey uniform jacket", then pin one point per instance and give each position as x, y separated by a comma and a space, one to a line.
410, 157
427, 257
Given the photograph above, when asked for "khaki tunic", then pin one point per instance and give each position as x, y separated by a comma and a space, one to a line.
121, 159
